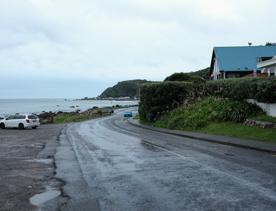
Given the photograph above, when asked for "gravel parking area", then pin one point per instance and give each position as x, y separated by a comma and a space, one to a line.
26, 165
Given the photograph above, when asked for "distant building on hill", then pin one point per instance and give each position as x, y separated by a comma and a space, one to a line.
236, 62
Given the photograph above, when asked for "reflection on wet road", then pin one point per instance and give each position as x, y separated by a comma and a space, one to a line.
108, 164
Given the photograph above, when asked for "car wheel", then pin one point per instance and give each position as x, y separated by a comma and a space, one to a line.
34, 127
2, 126
21, 126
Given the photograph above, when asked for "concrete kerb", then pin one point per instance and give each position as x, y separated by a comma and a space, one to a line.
225, 140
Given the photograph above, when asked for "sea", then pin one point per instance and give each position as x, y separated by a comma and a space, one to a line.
37, 106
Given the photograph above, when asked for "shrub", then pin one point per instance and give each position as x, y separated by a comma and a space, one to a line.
211, 109
158, 98
185, 77
266, 90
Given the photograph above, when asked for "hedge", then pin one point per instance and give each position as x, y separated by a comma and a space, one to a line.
260, 89
158, 98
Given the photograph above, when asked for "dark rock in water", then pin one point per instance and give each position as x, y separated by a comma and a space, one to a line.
116, 106
72, 106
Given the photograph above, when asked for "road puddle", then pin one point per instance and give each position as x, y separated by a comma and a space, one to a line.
44, 161
41, 198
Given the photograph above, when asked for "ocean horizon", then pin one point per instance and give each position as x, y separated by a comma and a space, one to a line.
39, 105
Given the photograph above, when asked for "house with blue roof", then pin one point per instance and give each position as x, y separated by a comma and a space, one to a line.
236, 62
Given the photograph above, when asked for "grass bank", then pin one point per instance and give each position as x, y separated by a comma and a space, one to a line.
72, 117
265, 118
219, 116
240, 131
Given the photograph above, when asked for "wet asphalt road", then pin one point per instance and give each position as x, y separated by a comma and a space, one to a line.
108, 164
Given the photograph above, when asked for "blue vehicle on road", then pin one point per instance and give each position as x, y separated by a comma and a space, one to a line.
128, 114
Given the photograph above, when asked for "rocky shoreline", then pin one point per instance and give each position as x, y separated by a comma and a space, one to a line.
50, 117
78, 115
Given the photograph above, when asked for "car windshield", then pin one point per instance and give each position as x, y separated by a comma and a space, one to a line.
32, 117
11, 117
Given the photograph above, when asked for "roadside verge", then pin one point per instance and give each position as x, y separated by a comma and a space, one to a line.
225, 140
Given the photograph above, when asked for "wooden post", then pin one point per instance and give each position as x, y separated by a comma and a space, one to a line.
255, 73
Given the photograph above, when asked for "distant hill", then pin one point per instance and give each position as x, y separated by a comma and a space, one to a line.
204, 73
124, 89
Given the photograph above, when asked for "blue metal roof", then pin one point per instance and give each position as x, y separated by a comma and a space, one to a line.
241, 58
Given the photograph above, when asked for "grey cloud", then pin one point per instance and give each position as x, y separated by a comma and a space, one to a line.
123, 39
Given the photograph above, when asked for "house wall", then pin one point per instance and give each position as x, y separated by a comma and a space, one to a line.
271, 71
233, 75
238, 74
216, 71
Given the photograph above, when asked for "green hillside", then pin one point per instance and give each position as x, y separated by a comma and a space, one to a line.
123, 89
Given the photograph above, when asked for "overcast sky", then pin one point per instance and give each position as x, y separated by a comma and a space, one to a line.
86, 45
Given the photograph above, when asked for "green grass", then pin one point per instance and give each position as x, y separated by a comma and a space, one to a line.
237, 130
265, 118
241, 131
69, 117
137, 117
219, 117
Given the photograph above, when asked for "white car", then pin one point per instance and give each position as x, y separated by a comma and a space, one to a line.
20, 121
